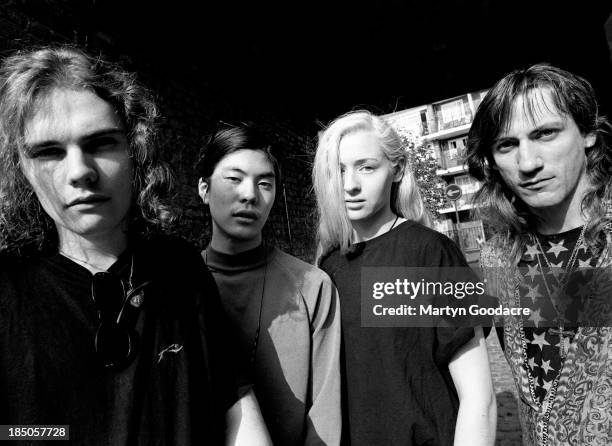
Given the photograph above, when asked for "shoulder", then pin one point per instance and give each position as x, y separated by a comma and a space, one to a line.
297, 268
308, 281
173, 258
420, 235
332, 261
169, 250
431, 247
12, 266
169, 246
179, 276
19, 277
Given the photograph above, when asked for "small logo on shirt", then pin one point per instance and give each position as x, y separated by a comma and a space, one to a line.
136, 300
174, 348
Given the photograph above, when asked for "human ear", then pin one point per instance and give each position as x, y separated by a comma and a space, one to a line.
398, 170
203, 190
589, 140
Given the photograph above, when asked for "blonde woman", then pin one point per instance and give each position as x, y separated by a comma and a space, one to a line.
403, 386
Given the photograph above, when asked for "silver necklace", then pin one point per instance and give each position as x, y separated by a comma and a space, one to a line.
561, 283
81, 262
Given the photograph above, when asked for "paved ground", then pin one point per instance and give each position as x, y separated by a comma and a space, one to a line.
508, 428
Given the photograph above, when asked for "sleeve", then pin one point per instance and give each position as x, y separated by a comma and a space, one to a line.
450, 339
324, 422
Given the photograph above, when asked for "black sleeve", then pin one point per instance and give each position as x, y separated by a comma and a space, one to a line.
445, 254
449, 341
451, 255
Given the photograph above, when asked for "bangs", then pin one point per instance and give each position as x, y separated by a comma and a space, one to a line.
535, 104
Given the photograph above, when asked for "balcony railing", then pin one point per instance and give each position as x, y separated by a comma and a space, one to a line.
445, 162
436, 123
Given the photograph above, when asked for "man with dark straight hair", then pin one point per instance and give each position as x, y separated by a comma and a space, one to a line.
284, 311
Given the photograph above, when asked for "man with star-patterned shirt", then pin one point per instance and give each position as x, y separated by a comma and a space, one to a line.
544, 155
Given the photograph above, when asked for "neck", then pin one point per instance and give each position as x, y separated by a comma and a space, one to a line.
555, 223
564, 216
229, 245
96, 253
367, 229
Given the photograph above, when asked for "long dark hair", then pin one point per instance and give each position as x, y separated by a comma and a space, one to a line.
573, 97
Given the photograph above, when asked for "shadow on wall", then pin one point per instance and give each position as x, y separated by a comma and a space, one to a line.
508, 425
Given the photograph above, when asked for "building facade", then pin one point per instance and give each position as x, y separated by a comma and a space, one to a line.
443, 127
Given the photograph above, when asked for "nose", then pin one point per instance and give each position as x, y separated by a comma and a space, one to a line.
350, 182
248, 192
81, 169
528, 158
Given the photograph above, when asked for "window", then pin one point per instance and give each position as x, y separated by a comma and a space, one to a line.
452, 111
467, 184
456, 147
452, 150
424, 121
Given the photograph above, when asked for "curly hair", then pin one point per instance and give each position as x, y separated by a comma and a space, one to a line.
573, 97
26, 79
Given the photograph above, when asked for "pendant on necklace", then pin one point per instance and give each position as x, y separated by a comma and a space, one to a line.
563, 342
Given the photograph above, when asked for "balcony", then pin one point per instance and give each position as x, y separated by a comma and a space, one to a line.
438, 128
450, 165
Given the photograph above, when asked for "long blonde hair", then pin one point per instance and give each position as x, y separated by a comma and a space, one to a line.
334, 227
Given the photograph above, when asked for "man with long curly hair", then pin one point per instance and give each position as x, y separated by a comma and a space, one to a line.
544, 154
105, 324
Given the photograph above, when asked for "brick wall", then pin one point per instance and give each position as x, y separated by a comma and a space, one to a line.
190, 109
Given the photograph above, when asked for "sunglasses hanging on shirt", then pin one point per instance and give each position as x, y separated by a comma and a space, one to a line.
116, 340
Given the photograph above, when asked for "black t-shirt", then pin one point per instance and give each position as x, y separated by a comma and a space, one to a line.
398, 389
180, 383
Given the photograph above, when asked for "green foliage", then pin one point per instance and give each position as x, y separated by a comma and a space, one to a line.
424, 166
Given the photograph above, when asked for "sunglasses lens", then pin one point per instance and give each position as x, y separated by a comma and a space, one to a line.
113, 345
108, 294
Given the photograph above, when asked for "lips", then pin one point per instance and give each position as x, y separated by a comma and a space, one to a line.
250, 215
535, 183
354, 204
88, 200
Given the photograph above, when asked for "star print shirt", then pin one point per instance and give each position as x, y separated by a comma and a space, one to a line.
541, 277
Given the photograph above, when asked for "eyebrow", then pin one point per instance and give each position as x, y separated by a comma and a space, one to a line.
92, 136
362, 160
539, 128
103, 133
269, 174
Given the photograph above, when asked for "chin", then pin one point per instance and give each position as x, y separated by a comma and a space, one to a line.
543, 202
358, 216
245, 235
